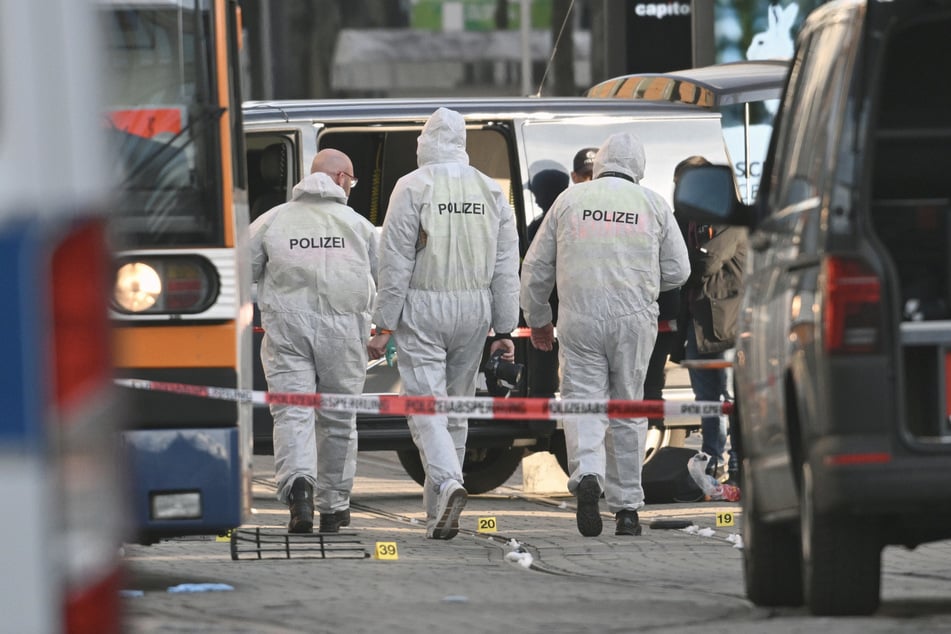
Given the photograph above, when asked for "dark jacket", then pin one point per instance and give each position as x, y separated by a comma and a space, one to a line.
711, 297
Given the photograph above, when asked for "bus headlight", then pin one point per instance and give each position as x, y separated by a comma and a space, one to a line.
165, 285
138, 287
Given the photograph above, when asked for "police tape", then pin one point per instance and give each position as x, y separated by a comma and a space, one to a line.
706, 364
515, 334
485, 407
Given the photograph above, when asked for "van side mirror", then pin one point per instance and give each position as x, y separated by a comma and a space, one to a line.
708, 194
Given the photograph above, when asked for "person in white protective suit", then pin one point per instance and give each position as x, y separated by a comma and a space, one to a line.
448, 273
315, 262
611, 245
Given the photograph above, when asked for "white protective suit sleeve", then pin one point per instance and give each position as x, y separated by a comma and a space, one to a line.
505, 275
674, 258
538, 273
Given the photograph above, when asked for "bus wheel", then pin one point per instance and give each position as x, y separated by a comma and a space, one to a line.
483, 470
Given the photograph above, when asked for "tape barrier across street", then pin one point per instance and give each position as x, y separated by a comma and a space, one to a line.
486, 407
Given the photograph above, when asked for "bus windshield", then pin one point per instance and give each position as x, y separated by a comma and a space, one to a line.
162, 123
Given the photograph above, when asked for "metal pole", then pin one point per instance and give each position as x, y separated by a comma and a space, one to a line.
525, 25
746, 138
267, 61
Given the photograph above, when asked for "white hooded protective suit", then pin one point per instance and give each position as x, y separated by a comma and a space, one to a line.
611, 245
448, 272
315, 262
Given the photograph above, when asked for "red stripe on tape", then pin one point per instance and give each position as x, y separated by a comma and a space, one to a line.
483, 407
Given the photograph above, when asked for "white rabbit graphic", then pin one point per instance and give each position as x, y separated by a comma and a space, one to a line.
776, 41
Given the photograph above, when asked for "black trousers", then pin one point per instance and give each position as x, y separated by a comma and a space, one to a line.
543, 379
656, 376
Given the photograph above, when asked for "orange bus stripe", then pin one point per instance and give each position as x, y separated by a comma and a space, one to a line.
225, 121
176, 346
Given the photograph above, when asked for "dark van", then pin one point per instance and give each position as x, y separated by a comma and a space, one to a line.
843, 358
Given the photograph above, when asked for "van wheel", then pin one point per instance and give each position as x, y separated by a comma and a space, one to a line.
661, 436
657, 437
558, 447
772, 562
412, 464
482, 471
841, 560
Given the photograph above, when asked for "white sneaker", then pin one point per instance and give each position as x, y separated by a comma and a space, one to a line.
452, 499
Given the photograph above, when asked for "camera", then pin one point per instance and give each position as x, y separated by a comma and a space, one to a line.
502, 373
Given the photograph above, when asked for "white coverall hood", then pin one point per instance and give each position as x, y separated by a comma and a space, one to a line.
320, 185
622, 153
443, 139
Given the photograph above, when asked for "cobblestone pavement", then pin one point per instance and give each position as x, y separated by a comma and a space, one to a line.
666, 580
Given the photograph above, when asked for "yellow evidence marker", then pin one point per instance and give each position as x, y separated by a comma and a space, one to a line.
725, 519
487, 525
386, 550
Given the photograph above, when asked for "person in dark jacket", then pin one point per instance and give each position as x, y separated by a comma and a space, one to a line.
543, 381
709, 308
546, 185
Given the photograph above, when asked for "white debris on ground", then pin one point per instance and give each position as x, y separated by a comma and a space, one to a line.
693, 529
518, 555
734, 538
455, 598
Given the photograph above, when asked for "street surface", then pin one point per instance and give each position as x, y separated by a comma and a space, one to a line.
664, 580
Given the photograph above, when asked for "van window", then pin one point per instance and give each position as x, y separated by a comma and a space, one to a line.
382, 156
553, 144
911, 199
807, 144
272, 170
914, 137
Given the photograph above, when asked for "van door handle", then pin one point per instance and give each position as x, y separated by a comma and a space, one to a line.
761, 242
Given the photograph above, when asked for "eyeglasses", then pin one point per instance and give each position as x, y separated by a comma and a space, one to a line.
353, 179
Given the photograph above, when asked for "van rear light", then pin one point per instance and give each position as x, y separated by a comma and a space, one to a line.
852, 315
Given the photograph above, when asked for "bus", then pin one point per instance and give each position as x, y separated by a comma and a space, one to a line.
181, 308
64, 516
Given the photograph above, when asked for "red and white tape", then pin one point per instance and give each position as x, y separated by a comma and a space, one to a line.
485, 407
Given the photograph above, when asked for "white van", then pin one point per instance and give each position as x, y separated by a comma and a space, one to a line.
745, 93
509, 139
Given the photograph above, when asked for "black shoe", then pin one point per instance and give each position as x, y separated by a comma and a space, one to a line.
588, 515
626, 523
301, 504
331, 522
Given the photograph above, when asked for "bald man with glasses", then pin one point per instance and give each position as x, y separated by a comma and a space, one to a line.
315, 262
